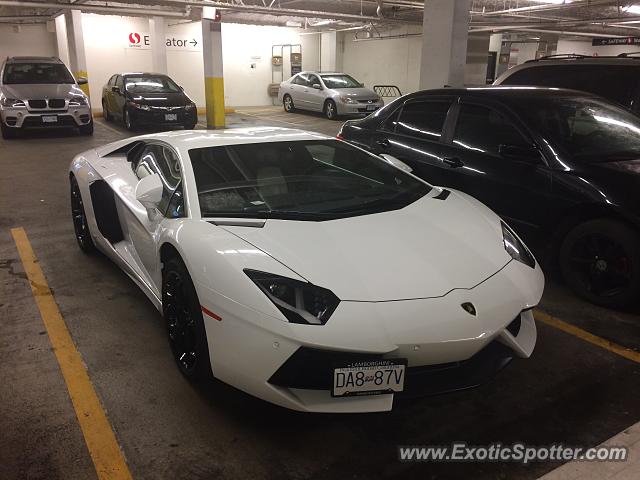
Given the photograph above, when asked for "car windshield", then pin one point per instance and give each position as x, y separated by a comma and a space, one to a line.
586, 129
340, 81
151, 84
298, 180
30, 73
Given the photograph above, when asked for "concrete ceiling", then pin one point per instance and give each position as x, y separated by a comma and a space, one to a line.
577, 17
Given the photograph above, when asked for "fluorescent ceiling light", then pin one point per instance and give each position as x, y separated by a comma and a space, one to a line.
558, 2
633, 9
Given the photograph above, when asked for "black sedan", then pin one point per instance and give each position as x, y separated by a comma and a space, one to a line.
151, 99
562, 167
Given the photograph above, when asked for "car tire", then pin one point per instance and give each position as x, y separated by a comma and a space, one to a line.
79, 217
287, 104
600, 261
184, 322
105, 113
86, 129
330, 110
128, 121
7, 132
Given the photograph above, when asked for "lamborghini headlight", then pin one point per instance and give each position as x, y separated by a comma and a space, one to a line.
300, 302
516, 248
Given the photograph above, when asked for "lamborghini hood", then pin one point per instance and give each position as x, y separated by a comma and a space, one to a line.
424, 250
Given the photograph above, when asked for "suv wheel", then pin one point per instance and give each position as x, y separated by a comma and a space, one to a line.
600, 260
7, 132
86, 129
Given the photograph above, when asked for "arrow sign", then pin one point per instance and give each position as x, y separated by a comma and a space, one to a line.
193, 42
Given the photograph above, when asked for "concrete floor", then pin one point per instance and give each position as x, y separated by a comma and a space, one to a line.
569, 391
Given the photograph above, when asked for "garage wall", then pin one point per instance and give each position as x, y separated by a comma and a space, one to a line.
393, 61
26, 40
585, 48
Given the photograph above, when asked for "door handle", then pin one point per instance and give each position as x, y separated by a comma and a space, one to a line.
384, 143
453, 162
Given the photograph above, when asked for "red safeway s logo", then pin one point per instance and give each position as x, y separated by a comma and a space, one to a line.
134, 38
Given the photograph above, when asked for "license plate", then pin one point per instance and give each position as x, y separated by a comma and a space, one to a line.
373, 377
171, 117
49, 118
371, 108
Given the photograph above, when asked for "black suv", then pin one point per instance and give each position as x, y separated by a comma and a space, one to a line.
563, 167
614, 78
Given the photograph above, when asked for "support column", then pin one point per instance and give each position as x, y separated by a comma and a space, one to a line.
77, 58
158, 44
445, 30
213, 74
61, 39
328, 49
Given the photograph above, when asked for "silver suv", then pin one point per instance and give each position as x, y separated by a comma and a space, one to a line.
40, 92
331, 93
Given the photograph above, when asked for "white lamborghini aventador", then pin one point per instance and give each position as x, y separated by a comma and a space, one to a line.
306, 271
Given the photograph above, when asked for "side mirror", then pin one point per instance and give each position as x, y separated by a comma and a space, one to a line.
82, 81
149, 193
115, 89
396, 162
361, 85
519, 153
317, 86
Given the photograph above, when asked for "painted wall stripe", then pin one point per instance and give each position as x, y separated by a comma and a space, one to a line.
587, 337
103, 447
210, 313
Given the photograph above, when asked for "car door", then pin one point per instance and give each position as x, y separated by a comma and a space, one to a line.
516, 187
413, 134
107, 92
118, 97
296, 90
314, 97
143, 231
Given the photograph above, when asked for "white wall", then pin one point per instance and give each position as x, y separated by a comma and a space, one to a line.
521, 52
26, 40
585, 48
385, 62
107, 52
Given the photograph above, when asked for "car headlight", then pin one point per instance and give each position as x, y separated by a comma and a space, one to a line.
347, 100
516, 248
11, 102
190, 106
140, 107
77, 101
300, 302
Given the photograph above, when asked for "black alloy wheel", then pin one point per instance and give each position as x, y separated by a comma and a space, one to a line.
600, 260
128, 122
80, 225
184, 322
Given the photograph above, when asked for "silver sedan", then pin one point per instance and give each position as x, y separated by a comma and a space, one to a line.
333, 94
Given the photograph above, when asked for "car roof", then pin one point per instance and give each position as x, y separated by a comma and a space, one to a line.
189, 139
564, 59
33, 60
504, 92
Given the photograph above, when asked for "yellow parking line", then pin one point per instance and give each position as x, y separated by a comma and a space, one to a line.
105, 125
101, 441
588, 337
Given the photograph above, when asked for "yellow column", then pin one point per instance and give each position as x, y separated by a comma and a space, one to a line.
213, 73
83, 74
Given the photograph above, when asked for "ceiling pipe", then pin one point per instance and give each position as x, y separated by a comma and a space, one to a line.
95, 8
547, 7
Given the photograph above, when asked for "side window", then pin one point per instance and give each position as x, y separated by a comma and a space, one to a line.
313, 80
112, 81
484, 129
176, 204
391, 122
120, 83
302, 79
423, 119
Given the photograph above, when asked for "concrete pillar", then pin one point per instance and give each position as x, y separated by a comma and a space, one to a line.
77, 57
213, 73
158, 44
475, 70
444, 43
61, 39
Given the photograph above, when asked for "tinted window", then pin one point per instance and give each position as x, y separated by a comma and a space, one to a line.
423, 119
616, 82
484, 129
41, 73
303, 180
119, 82
585, 128
391, 122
